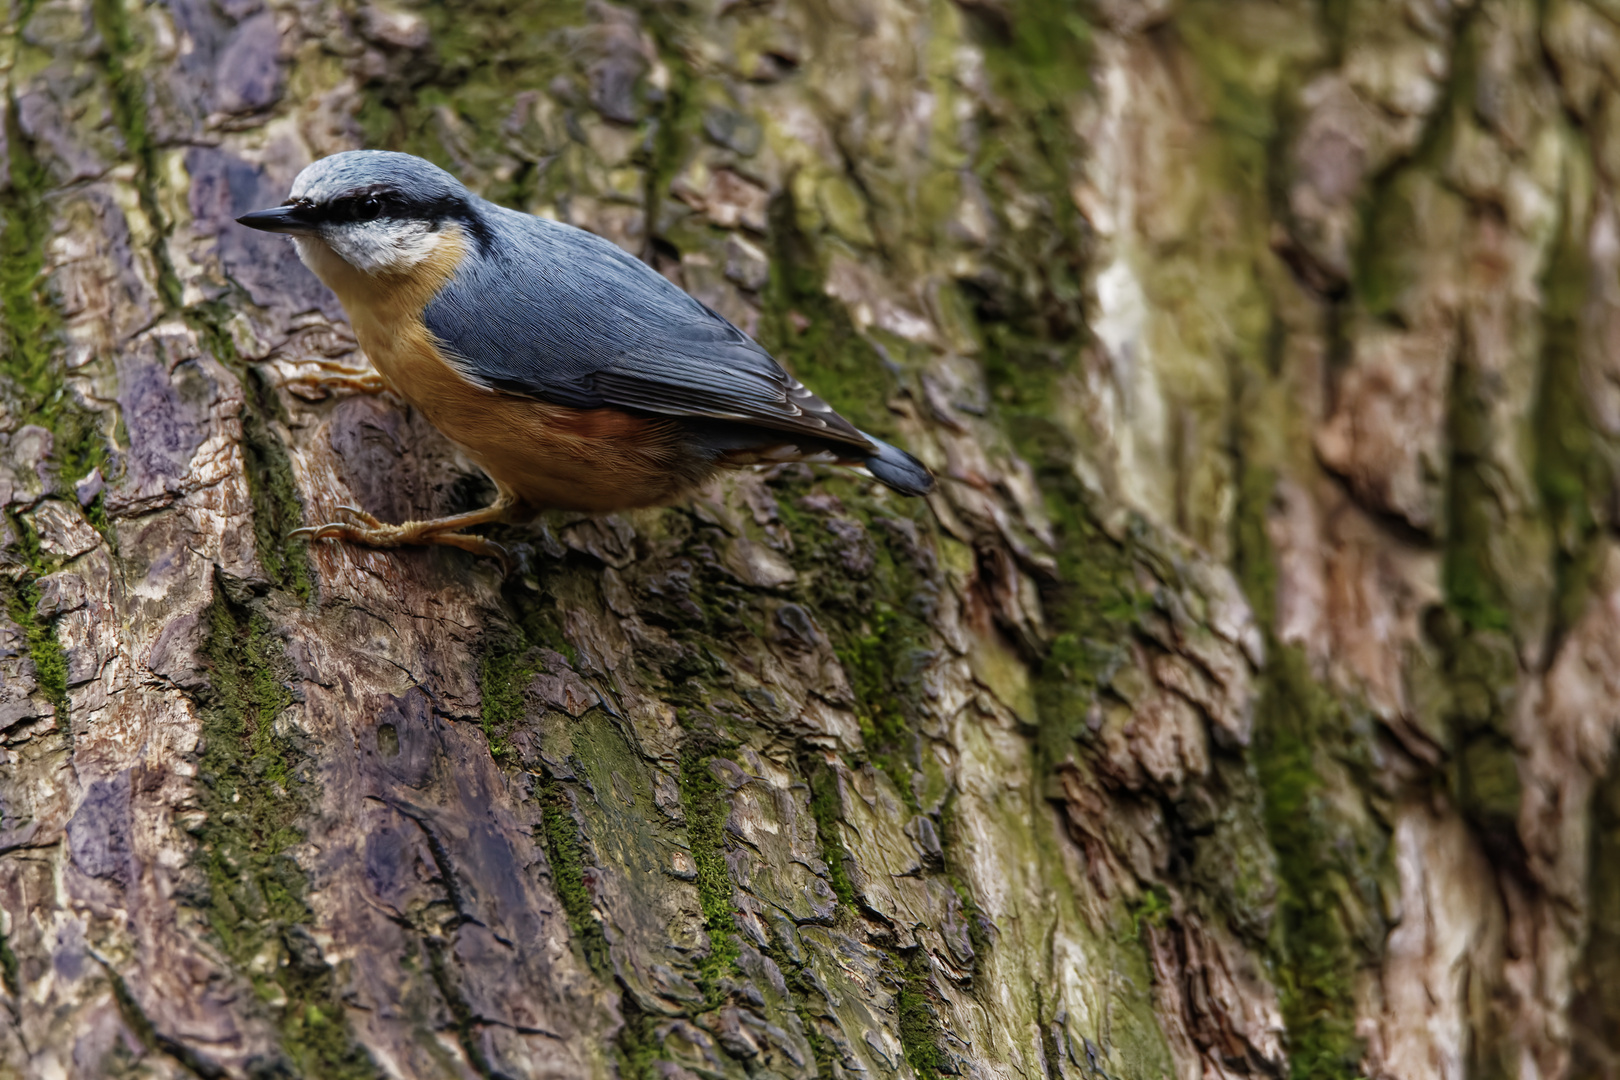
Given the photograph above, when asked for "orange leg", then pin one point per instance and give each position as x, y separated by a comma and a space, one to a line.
445, 530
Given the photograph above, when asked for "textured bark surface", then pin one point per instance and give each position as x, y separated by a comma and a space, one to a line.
1243, 704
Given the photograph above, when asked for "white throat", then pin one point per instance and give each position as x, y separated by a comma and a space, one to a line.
372, 247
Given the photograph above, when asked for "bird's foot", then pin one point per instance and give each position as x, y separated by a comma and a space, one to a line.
318, 379
373, 533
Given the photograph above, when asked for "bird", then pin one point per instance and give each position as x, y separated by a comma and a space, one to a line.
574, 374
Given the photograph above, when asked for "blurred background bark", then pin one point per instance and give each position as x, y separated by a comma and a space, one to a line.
1242, 705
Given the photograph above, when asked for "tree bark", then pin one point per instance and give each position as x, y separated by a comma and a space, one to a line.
1242, 704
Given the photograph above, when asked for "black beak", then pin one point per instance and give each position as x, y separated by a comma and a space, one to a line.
278, 219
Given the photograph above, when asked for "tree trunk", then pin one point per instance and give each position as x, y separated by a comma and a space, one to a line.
1242, 704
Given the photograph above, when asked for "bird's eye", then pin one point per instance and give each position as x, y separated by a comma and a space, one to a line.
368, 208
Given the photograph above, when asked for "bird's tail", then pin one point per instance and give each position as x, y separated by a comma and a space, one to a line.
898, 469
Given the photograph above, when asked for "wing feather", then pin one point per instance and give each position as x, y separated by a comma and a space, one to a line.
562, 315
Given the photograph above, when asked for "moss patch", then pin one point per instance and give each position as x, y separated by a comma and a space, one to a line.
32, 372
10, 970
31, 321
124, 62
1318, 859
22, 602
504, 669
1595, 1012
253, 786
1313, 758
827, 809
567, 856
812, 334
1574, 470
1038, 54
917, 1021
1477, 632
868, 572
707, 805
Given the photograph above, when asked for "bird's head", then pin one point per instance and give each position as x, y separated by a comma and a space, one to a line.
381, 213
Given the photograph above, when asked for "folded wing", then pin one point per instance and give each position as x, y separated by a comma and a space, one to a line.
589, 326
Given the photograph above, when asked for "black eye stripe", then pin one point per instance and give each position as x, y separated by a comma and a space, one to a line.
363, 206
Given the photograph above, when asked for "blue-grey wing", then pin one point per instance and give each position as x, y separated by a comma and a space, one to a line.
565, 316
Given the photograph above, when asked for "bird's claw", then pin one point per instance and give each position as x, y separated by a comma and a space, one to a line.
364, 515
478, 546
337, 530
378, 535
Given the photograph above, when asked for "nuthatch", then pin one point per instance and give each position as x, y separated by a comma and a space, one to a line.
575, 375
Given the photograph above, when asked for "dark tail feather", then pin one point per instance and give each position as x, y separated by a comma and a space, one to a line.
898, 469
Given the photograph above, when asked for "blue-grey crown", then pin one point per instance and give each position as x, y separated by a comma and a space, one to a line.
355, 171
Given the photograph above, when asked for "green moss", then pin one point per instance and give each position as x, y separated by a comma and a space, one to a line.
1151, 909
1407, 201
128, 98
1030, 319
827, 809
1093, 603
1573, 476
1319, 954
812, 334
1473, 585
509, 659
638, 1044
277, 507
509, 662
1476, 631
565, 850
32, 375
918, 1023
22, 603
1595, 1011
805, 996
1311, 755
1094, 607
32, 372
124, 64
1252, 561
1247, 53
10, 970
707, 805
676, 119
253, 787
1488, 784
1030, 303
31, 322
978, 935
504, 669
877, 654
81, 444
96, 514
867, 573
1038, 54
1411, 214
78, 444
